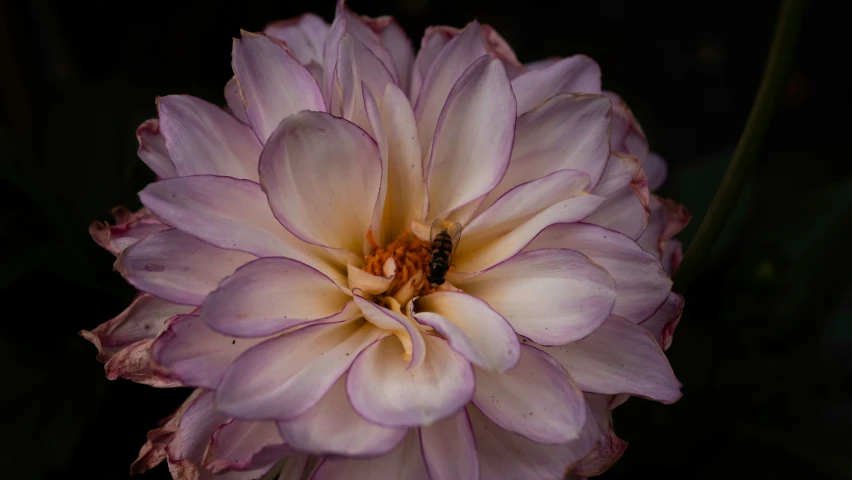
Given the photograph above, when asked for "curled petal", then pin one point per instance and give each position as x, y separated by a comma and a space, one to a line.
270, 295
536, 399
609, 448
332, 427
134, 363
385, 392
203, 139
286, 375
552, 296
619, 357
405, 461
570, 75
625, 187
661, 325
396, 322
367, 282
154, 450
196, 425
176, 267
322, 175
449, 448
129, 229
667, 220
238, 445
152, 149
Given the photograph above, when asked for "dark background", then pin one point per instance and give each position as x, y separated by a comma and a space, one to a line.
765, 345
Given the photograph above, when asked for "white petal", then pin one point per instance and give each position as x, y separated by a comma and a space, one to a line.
367, 282
358, 68
404, 462
573, 74
397, 323
625, 187
449, 449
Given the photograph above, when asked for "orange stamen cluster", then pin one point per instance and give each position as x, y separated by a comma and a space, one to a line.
409, 253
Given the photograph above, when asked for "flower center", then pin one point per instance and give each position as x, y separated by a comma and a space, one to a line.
410, 265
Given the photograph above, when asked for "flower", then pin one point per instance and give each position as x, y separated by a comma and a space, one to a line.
282, 260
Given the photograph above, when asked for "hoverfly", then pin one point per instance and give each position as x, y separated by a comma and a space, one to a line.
444, 243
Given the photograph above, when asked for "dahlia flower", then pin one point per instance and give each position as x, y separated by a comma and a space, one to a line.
281, 260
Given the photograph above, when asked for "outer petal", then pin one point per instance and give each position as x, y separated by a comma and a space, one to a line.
619, 357
472, 329
129, 229
142, 320
610, 448
176, 267
322, 175
304, 37
399, 324
536, 399
552, 296
397, 43
233, 214
269, 295
152, 149
236, 104
273, 84
473, 138
195, 427
238, 445
661, 325
285, 376
667, 220
134, 363
358, 68
656, 169
573, 74
626, 135
384, 392
568, 131
641, 284
404, 462
504, 455
625, 187
454, 58
203, 139
190, 352
154, 450
332, 427
449, 448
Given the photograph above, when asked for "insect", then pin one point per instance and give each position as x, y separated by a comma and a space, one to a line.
444, 242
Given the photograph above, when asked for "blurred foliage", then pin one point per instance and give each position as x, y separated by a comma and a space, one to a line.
764, 345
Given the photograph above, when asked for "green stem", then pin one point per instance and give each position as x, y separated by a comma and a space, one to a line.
745, 155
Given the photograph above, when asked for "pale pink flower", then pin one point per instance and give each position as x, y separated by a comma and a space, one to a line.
281, 261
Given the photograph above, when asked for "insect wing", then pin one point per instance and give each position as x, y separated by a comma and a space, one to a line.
454, 232
437, 228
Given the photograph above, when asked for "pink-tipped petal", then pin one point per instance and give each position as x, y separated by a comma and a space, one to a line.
609, 448
130, 228
536, 399
188, 351
568, 131
449, 448
322, 175
450, 63
389, 320
332, 427
304, 37
626, 135
236, 104
142, 320
433, 41
230, 213
152, 149
285, 376
404, 462
273, 84
661, 325
552, 296
397, 43
473, 138
656, 170
177, 267
641, 284
359, 69
472, 328
240, 446
504, 455
625, 187
134, 363
204, 139
672, 255
667, 220
270, 295
619, 357
577, 74
384, 391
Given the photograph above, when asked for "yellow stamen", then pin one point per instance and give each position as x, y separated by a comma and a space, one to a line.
410, 255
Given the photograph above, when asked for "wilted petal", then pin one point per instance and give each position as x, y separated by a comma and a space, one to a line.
449, 448
273, 294
569, 75
451, 62
625, 187
661, 325
667, 220
154, 450
322, 175
504, 455
473, 138
142, 320
191, 353
359, 69
641, 284
656, 170
626, 135
404, 462
472, 329
134, 363
195, 427
552, 296
239, 445
129, 229
332, 427
385, 392
203, 139
152, 149
285, 376
177, 267
235, 100
397, 323
273, 84
536, 399
610, 448
619, 357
